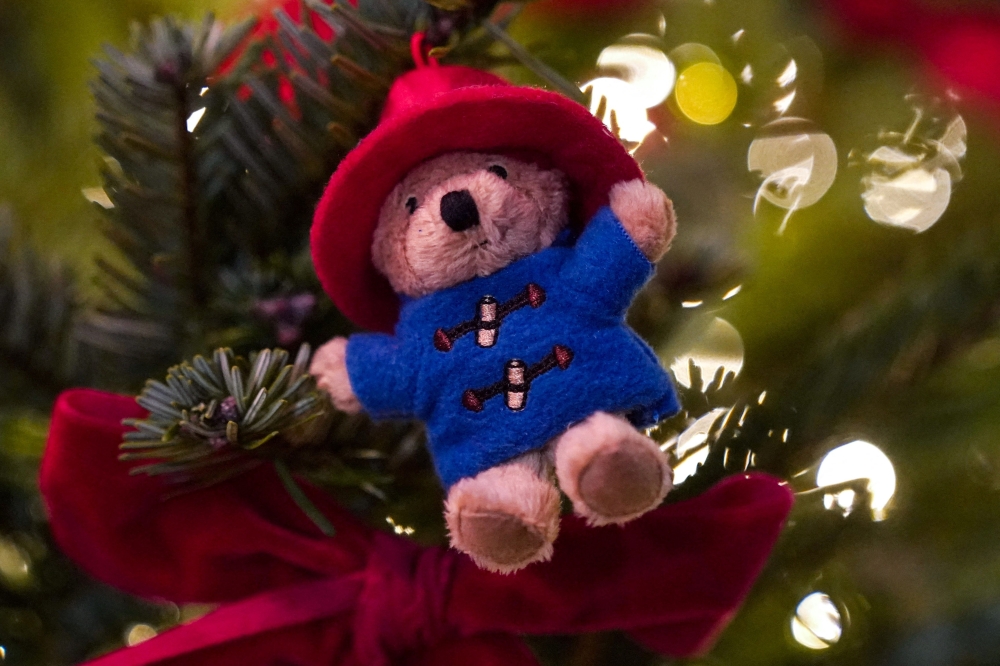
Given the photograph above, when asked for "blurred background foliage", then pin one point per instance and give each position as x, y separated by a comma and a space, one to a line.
46, 110
855, 330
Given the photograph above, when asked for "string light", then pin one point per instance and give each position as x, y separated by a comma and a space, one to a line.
858, 460
691, 446
911, 178
399, 529
798, 164
706, 93
817, 623
14, 565
194, 119
138, 633
643, 77
713, 346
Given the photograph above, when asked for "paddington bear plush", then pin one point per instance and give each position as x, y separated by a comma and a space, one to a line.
495, 235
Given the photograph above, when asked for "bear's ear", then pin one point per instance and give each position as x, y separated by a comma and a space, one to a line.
389, 243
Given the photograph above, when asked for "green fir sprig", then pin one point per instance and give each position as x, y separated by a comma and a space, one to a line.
214, 419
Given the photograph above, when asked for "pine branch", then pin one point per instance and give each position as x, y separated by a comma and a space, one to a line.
236, 193
210, 418
155, 169
214, 419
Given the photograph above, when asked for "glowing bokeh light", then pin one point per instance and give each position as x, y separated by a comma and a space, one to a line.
789, 74
858, 460
138, 633
706, 93
782, 104
798, 164
954, 138
691, 447
194, 119
15, 566
714, 345
914, 199
639, 78
621, 98
646, 69
817, 623
910, 182
98, 196
399, 529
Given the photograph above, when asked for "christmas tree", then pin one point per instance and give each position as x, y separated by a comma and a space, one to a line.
827, 309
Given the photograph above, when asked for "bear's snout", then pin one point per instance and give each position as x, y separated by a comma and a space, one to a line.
459, 210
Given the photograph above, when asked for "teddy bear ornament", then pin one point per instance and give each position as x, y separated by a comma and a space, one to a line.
492, 236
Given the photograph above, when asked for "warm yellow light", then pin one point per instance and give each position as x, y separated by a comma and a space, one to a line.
816, 623
14, 565
646, 69
623, 99
797, 162
138, 633
713, 345
691, 446
911, 182
858, 460
706, 93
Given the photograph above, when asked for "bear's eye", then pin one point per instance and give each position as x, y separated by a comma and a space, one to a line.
498, 170
411, 205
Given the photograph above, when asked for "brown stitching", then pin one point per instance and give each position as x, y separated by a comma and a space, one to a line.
517, 380
489, 316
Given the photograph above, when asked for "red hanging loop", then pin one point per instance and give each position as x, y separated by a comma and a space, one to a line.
421, 55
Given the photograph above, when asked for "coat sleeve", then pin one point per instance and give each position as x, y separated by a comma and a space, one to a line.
607, 268
383, 375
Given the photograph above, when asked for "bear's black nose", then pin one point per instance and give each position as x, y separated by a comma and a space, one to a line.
458, 210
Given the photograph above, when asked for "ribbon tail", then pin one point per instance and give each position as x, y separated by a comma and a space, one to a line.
271, 611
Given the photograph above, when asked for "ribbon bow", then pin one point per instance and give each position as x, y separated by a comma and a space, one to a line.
671, 579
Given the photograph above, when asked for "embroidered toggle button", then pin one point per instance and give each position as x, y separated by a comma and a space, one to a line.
489, 315
517, 380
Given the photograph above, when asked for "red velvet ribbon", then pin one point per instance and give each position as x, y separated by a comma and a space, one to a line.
671, 579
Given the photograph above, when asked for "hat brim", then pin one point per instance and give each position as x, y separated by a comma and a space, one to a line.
500, 119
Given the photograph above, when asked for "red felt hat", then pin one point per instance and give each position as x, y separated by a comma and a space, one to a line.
431, 111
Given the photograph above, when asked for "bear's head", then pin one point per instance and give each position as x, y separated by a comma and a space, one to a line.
465, 215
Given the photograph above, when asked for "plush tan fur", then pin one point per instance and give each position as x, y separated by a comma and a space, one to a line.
329, 367
647, 215
506, 517
519, 215
610, 471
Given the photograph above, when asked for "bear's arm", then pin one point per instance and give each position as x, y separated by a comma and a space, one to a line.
383, 375
606, 267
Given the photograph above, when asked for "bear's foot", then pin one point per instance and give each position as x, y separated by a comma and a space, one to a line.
504, 518
611, 472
